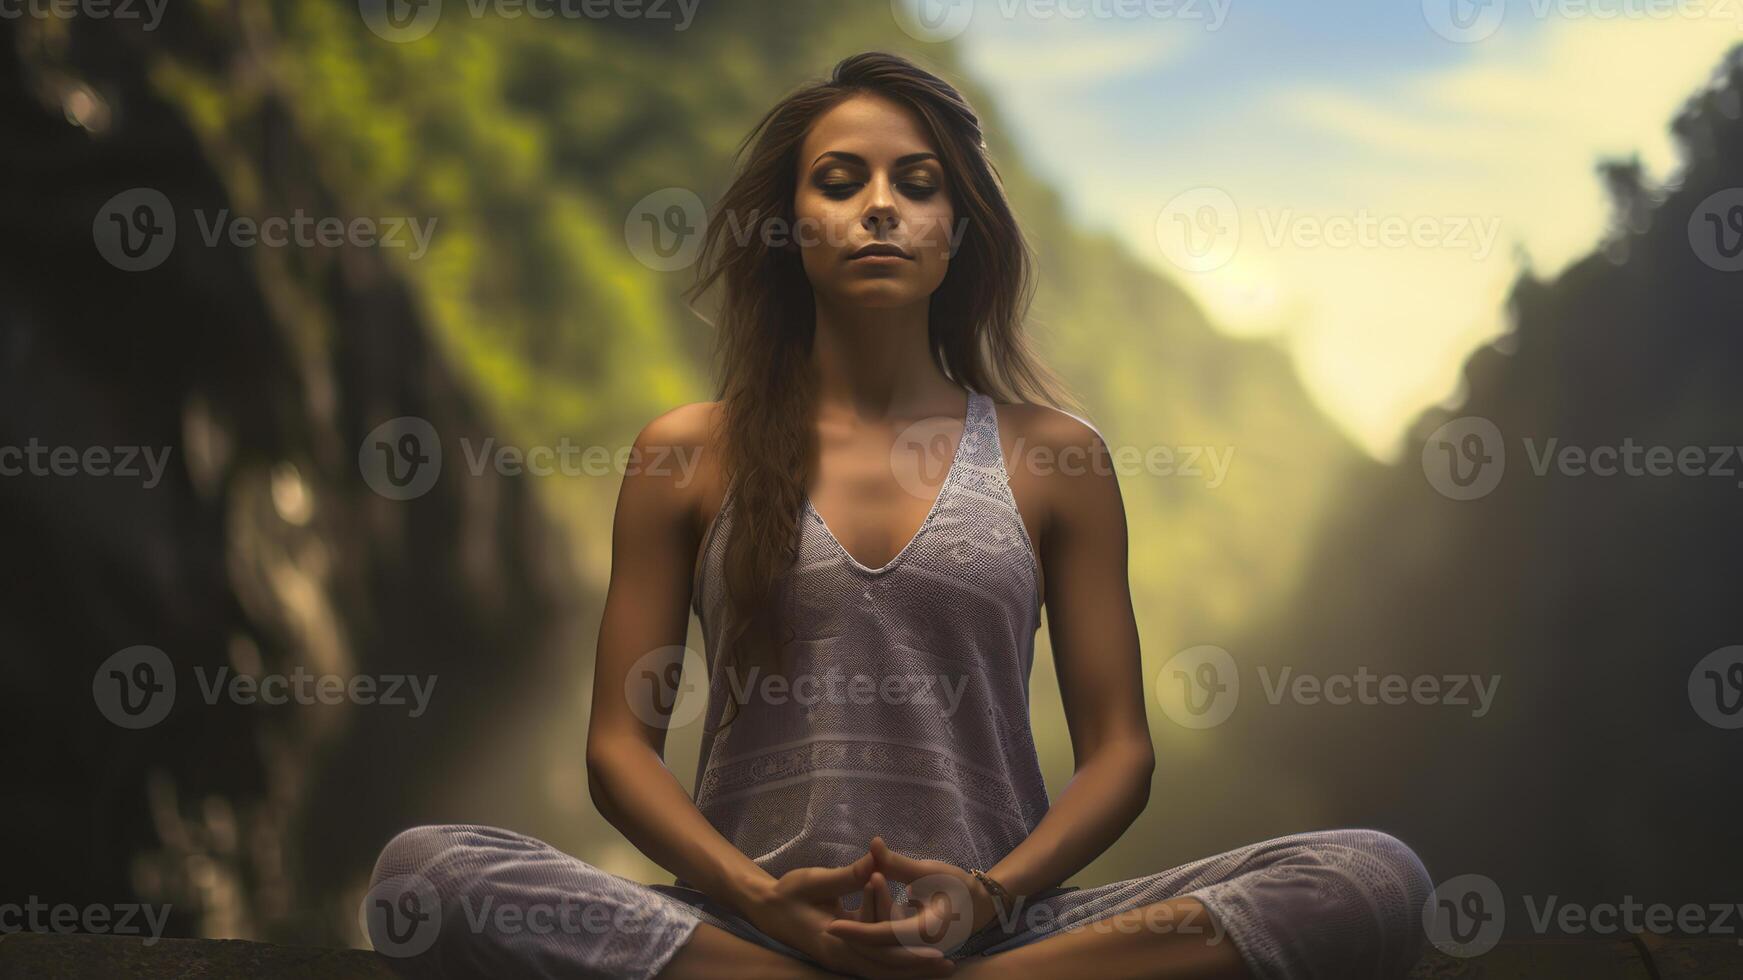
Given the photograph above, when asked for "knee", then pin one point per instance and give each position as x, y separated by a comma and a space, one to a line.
1399, 862
416, 850
1386, 876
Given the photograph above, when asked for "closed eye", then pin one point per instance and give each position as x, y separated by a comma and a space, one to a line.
840, 190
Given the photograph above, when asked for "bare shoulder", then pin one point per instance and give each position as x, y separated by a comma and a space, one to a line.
1046, 426
1059, 461
689, 425
673, 464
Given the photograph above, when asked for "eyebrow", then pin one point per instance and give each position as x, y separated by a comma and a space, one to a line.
855, 158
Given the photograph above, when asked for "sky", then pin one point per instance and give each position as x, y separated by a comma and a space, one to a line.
1360, 180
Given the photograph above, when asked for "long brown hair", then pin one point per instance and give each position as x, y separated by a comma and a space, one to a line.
767, 320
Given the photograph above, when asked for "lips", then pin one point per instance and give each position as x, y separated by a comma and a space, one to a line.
879, 250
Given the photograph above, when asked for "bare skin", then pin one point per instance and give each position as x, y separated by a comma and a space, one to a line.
869, 174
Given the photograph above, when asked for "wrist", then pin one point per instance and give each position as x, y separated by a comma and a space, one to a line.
991, 899
1015, 884
750, 889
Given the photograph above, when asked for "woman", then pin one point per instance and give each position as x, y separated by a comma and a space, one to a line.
893, 823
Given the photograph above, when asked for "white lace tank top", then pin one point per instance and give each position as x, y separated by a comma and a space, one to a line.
905, 707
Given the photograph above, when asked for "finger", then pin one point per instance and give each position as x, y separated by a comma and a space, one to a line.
903, 932
928, 926
886, 901
897, 865
895, 962
833, 882
868, 902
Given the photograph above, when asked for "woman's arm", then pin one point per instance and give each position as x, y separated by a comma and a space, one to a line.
655, 534
1095, 648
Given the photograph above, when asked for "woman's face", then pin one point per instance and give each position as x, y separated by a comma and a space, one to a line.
873, 206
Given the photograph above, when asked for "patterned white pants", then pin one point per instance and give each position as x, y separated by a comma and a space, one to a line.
1338, 904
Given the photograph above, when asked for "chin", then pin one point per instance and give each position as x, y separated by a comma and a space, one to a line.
881, 295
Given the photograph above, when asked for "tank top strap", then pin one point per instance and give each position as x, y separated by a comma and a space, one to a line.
983, 457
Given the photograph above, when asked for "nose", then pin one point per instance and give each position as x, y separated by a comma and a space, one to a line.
880, 216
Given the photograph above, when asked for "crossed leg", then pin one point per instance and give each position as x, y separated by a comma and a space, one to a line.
1123, 946
713, 953
1333, 904
1128, 948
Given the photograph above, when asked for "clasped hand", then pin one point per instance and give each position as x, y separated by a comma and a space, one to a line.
881, 939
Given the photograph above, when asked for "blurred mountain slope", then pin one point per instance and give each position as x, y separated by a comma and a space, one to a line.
1591, 598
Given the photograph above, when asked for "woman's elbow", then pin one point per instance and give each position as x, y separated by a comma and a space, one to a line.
604, 761
1141, 762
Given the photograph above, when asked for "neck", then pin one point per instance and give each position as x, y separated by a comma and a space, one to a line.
876, 363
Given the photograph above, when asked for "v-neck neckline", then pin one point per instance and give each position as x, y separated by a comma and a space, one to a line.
937, 502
